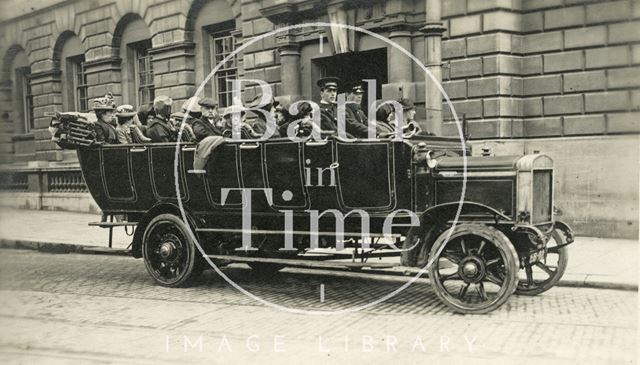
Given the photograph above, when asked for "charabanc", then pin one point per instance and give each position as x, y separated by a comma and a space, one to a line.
483, 226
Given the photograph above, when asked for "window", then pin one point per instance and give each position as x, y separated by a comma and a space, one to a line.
223, 44
79, 82
23, 79
143, 72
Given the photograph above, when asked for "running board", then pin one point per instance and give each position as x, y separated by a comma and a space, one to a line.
303, 263
305, 233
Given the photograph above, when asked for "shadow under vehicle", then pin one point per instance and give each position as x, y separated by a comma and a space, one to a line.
500, 238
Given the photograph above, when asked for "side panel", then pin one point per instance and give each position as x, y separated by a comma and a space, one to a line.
496, 193
284, 175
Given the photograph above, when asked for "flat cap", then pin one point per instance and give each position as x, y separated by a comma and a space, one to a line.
355, 88
328, 82
208, 102
233, 109
178, 116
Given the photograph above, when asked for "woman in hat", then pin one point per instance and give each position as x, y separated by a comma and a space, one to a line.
126, 131
105, 131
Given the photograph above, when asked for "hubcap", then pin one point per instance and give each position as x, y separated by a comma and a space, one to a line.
471, 269
167, 250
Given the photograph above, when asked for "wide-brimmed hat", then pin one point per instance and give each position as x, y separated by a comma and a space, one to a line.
104, 103
125, 111
407, 104
233, 109
162, 101
255, 102
191, 105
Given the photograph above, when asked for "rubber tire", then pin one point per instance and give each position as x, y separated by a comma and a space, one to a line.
499, 240
563, 253
195, 264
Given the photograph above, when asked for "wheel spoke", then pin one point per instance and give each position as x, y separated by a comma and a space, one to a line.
529, 273
492, 262
451, 257
494, 279
545, 268
481, 247
480, 288
463, 290
464, 247
453, 276
554, 249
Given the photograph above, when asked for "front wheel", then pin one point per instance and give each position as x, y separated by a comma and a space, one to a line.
169, 254
466, 262
542, 274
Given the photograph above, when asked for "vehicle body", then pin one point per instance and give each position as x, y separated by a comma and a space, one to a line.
504, 222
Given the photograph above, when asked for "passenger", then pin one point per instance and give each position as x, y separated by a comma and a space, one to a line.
210, 124
271, 108
193, 111
105, 131
246, 130
385, 120
355, 119
144, 115
328, 111
304, 115
177, 119
408, 115
126, 130
160, 128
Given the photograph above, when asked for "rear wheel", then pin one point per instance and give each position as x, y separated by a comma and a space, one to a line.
464, 267
170, 256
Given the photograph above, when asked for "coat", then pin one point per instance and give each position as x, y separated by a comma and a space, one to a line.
356, 122
203, 128
328, 117
160, 130
105, 132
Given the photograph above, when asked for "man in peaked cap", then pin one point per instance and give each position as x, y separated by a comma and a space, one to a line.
105, 131
328, 110
160, 128
209, 124
356, 120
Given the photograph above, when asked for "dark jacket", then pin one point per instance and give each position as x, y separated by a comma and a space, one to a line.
105, 133
203, 128
328, 117
356, 121
160, 130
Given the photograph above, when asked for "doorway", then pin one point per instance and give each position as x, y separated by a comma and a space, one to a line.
353, 67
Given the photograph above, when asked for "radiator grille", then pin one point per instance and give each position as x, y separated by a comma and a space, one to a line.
542, 194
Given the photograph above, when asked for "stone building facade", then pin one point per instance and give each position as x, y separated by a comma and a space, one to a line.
556, 76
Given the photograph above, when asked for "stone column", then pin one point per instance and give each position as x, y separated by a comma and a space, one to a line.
400, 67
433, 30
290, 70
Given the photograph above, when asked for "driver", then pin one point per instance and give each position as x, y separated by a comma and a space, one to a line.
328, 109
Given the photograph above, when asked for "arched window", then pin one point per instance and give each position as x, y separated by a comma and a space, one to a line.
19, 73
137, 68
212, 23
70, 56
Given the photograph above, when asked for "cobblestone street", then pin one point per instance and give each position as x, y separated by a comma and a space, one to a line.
79, 309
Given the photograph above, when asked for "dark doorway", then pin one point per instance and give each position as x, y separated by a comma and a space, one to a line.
353, 67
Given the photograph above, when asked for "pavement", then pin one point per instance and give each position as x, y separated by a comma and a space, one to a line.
100, 309
593, 262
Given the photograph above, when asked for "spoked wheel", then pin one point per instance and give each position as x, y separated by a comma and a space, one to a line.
464, 267
544, 273
169, 254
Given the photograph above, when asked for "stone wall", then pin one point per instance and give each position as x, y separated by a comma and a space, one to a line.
542, 68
